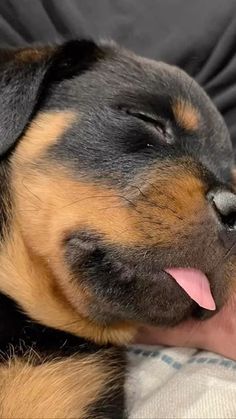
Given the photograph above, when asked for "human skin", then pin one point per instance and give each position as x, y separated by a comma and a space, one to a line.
217, 334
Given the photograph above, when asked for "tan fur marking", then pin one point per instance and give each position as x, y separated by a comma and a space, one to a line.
29, 55
186, 115
56, 389
44, 131
53, 202
177, 202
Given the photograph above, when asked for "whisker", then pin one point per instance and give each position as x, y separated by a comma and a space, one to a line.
77, 201
226, 255
33, 194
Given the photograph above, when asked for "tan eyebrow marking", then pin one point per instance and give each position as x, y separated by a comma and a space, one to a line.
187, 116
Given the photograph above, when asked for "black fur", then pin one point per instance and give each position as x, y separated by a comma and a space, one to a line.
23, 334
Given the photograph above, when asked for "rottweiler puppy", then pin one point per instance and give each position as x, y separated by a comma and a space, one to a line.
116, 211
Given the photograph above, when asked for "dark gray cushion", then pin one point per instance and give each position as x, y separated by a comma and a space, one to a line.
199, 36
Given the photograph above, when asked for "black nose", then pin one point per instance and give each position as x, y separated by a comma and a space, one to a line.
224, 203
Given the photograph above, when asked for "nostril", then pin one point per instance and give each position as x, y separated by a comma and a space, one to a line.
229, 220
224, 203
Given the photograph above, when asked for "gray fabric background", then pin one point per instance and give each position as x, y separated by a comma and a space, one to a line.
197, 35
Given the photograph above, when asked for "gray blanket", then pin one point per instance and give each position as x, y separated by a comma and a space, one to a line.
199, 36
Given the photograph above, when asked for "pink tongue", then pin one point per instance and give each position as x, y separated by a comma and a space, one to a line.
195, 284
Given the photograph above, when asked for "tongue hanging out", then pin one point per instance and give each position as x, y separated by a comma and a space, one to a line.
195, 284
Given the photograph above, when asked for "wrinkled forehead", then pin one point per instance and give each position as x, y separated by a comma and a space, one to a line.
121, 71
123, 78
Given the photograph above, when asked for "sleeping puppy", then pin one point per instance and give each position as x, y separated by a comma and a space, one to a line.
116, 211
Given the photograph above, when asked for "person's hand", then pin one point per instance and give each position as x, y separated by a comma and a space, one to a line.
217, 334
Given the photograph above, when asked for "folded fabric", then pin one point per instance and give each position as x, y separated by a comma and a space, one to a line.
180, 383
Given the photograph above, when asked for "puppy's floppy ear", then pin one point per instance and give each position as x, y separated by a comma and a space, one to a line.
26, 75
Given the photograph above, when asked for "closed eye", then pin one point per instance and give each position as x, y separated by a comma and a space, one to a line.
163, 131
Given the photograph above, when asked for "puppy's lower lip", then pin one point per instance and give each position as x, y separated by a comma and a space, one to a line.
195, 284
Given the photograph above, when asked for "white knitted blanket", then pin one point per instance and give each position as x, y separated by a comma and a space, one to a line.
180, 383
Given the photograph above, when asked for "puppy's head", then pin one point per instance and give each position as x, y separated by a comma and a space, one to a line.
115, 190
